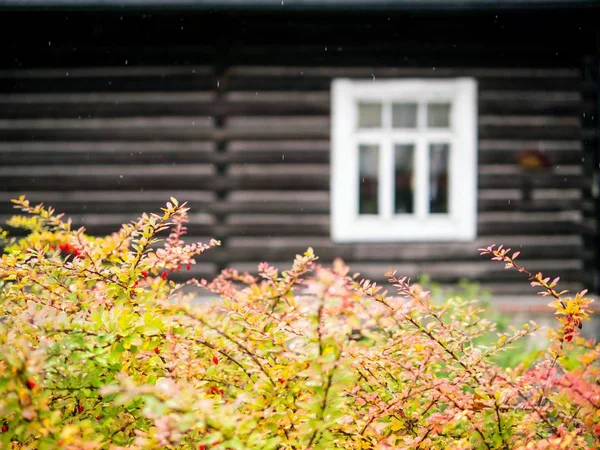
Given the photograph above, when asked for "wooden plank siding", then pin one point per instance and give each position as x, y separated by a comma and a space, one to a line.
590, 202
241, 130
103, 157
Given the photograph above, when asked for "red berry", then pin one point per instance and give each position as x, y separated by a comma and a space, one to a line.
213, 390
31, 384
156, 350
221, 391
178, 267
80, 409
97, 417
144, 274
188, 266
202, 447
4, 428
172, 269
215, 360
164, 275
281, 380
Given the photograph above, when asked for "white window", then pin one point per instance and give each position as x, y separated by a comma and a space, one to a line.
404, 165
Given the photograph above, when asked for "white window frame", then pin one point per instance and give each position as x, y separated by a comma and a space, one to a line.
460, 224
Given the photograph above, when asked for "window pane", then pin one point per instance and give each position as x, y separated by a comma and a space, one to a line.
369, 115
438, 115
403, 174
369, 180
438, 177
404, 115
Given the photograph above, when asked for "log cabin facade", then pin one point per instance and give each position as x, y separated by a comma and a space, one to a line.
107, 111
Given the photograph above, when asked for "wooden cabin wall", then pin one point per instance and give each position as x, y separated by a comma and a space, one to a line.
233, 115
591, 168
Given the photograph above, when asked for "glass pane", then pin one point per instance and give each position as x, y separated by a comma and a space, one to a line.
404, 115
404, 175
438, 177
438, 115
369, 115
369, 181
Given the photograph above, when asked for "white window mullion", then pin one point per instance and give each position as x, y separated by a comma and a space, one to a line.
421, 178
386, 179
386, 162
422, 165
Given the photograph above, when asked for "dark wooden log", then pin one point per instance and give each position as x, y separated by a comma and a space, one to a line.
140, 128
279, 248
107, 177
107, 104
485, 271
115, 152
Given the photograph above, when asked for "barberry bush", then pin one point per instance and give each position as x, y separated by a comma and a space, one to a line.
101, 349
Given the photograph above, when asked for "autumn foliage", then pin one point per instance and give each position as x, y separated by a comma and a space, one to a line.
100, 349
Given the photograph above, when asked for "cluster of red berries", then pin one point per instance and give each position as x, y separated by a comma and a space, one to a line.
214, 391
165, 273
66, 248
569, 327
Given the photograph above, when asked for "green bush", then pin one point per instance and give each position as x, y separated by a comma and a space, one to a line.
100, 349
